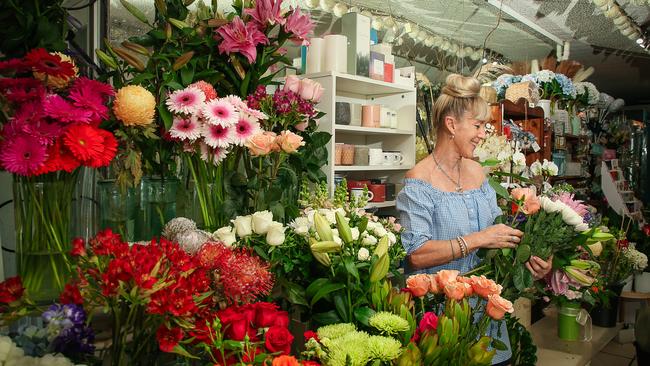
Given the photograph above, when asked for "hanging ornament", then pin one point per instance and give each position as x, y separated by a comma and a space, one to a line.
327, 5
339, 10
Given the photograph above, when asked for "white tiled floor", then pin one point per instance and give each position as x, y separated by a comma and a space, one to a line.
615, 354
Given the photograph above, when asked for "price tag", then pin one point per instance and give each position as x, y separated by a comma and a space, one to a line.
536, 147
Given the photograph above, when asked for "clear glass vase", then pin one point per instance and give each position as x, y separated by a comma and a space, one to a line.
43, 212
157, 206
117, 208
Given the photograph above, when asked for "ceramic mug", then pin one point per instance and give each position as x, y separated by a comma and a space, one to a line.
357, 194
398, 158
375, 157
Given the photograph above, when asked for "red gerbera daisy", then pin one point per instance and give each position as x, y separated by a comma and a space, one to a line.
110, 149
49, 64
59, 158
85, 142
15, 64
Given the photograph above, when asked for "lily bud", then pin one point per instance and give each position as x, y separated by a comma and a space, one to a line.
323, 228
344, 228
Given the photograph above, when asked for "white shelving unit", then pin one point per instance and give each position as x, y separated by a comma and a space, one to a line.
341, 87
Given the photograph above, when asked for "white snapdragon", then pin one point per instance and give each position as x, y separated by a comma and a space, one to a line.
261, 221
363, 254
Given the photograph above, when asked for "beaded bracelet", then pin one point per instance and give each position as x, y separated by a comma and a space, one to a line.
462, 248
465, 245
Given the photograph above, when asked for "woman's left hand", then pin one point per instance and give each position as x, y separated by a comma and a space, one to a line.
538, 267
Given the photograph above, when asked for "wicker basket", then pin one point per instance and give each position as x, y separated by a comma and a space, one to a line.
525, 89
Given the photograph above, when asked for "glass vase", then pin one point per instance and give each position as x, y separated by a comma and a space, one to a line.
43, 212
117, 208
157, 206
207, 193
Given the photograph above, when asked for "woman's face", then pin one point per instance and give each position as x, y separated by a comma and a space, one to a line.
469, 132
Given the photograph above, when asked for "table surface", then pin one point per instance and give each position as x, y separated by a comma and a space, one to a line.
635, 295
553, 351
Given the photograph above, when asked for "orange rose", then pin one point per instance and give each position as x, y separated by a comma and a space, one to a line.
497, 307
531, 202
455, 290
261, 144
434, 288
485, 287
446, 276
289, 141
418, 284
285, 360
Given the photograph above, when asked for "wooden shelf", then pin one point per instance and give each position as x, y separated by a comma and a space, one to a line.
359, 130
370, 168
521, 110
380, 204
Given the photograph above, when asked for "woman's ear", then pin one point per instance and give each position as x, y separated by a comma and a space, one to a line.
450, 123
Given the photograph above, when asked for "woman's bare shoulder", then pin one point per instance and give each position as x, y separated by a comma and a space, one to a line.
421, 170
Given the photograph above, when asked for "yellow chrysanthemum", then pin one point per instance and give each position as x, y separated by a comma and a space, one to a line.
58, 82
134, 106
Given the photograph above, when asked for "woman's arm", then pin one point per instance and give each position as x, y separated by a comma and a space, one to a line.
437, 252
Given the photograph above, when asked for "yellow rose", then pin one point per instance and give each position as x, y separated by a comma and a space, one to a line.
134, 106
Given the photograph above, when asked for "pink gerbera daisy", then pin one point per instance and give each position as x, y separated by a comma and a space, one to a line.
213, 155
217, 135
220, 112
245, 128
188, 100
22, 155
63, 111
243, 107
185, 128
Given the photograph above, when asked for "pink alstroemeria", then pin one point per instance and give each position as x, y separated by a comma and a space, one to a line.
300, 25
242, 38
266, 12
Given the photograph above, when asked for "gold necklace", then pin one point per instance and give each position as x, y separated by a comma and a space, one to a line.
459, 188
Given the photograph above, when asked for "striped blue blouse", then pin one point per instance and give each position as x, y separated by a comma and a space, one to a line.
428, 213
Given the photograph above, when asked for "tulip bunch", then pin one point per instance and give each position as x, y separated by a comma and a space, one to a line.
454, 335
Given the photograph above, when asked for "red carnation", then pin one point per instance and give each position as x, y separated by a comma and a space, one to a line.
78, 247
49, 64
71, 295
168, 338
11, 290
311, 334
278, 339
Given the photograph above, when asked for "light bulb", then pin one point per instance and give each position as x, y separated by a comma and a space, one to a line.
484, 60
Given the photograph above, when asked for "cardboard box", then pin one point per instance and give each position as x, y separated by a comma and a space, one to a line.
357, 28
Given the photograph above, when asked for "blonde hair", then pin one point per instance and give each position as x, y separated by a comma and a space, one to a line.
459, 95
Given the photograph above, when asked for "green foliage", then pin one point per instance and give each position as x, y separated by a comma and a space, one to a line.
524, 351
28, 24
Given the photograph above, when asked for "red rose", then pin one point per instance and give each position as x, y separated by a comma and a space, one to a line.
249, 312
71, 295
168, 338
239, 328
309, 363
311, 334
429, 322
11, 290
265, 314
78, 247
282, 319
278, 339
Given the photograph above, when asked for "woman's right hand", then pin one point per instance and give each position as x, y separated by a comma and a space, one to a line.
498, 236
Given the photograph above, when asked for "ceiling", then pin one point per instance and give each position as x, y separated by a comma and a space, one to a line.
622, 68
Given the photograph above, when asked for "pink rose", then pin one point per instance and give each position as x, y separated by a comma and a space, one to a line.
531, 202
302, 126
455, 290
418, 284
311, 90
485, 287
289, 142
429, 322
446, 276
498, 306
261, 144
292, 83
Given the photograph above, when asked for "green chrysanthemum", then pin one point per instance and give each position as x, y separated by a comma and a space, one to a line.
334, 331
353, 345
388, 323
384, 348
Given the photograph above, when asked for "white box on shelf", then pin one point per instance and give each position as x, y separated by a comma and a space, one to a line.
357, 28
404, 76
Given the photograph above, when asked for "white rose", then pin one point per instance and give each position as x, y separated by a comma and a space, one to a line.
503, 156
582, 227
243, 225
549, 205
536, 168
275, 234
338, 240
262, 221
519, 159
380, 231
301, 230
355, 233
329, 215
226, 234
369, 240
310, 217
335, 232
392, 239
363, 254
